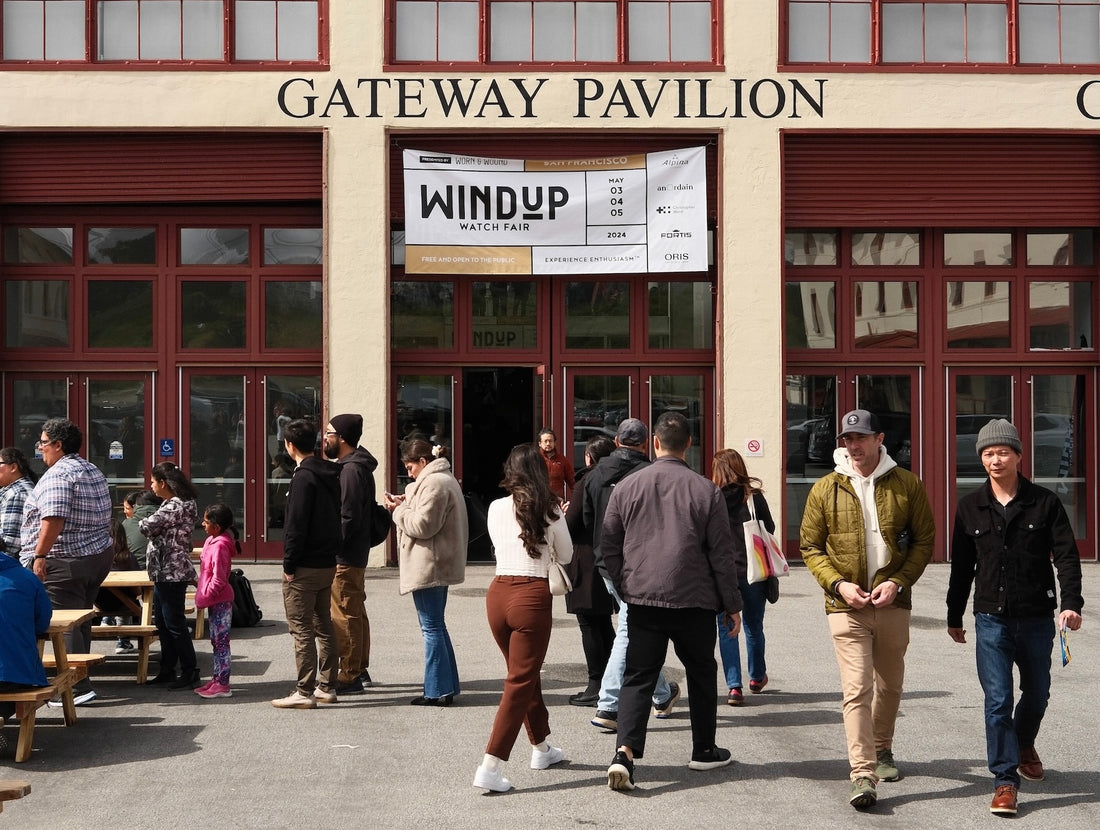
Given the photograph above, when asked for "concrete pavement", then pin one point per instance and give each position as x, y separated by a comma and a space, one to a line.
143, 757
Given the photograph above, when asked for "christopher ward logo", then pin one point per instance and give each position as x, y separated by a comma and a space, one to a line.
671, 209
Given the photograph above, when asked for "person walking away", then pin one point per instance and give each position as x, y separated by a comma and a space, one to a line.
669, 552
215, 594
867, 534
168, 564
432, 533
1005, 535
526, 526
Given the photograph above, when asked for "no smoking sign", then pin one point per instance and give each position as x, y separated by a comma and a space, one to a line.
754, 448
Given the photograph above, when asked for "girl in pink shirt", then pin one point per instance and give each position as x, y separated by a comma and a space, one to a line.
216, 594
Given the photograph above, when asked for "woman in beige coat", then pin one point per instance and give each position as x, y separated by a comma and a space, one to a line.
432, 532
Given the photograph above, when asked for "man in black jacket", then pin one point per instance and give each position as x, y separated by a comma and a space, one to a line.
349, 595
311, 542
1005, 534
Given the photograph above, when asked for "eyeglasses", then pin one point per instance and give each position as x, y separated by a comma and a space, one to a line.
44, 443
331, 432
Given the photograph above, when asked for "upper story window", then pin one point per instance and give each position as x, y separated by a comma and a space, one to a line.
164, 32
553, 32
955, 33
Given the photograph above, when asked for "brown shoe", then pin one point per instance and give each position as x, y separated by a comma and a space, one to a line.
1004, 801
1030, 767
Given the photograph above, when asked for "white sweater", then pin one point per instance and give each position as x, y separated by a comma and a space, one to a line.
512, 558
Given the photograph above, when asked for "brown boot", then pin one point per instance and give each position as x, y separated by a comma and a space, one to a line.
1030, 767
1004, 801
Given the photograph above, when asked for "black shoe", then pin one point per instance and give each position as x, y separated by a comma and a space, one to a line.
187, 680
364, 678
606, 721
353, 688
446, 700
162, 677
585, 698
710, 758
620, 775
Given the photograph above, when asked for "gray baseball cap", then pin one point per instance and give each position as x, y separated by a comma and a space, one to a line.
632, 433
860, 422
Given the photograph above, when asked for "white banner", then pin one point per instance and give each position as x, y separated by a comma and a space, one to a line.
625, 214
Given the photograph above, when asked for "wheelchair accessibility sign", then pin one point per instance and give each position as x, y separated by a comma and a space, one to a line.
167, 447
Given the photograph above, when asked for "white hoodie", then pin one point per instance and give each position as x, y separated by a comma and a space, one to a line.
878, 554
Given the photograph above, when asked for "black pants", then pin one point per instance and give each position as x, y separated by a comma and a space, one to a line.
597, 637
175, 638
692, 632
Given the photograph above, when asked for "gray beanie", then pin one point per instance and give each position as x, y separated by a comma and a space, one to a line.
998, 433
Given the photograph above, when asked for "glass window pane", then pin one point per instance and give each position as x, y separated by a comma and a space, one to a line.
510, 35
810, 248
293, 315
600, 404
810, 427
596, 31
1060, 248
1060, 315
1080, 34
460, 22
160, 29
38, 245
851, 33
1039, 36
254, 30
425, 405
1058, 444
597, 315
885, 248
553, 32
33, 403
978, 315
214, 246
203, 30
902, 33
682, 394
36, 313
116, 432
122, 246
944, 30
422, 315
288, 397
65, 30
690, 31
989, 248
979, 399
23, 26
647, 37
293, 246
887, 318
118, 30
890, 397
505, 315
681, 315
297, 30
810, 315
416, 34
120, 314
808, 39
216, 448
987, 33
212, 315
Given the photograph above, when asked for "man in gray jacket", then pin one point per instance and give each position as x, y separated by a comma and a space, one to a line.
669, 552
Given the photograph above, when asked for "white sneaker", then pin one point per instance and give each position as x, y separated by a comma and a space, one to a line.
322, 696
78, 700
547, 759
295, 700
494, 782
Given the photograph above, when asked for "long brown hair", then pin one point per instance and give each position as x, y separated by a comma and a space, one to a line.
729, 470
528, 482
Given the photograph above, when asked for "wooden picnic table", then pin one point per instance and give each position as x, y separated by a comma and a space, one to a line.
122, 583
61, 623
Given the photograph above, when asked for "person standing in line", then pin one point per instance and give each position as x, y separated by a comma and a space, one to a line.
732, 477
525, 527
432, 533
589, 600
669, 552
215, 594
628, 457
17, 481
558, 466
349, 595
168, 562
867, 535
138, 505
1006, 533
67, 533
311, 541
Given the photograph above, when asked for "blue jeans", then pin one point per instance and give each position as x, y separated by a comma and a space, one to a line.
1001, 643
754, 598
440, 668
616, 665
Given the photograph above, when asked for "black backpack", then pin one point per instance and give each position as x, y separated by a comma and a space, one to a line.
245, 610
380, 524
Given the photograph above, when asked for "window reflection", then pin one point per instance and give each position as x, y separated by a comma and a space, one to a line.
120, 314
122, 246
422, 315
504, 315
978, 315
1060, 315
885, 248
1060, 248
38, 245
293, 315
214, 246
293, 246
681, 315
212, 314
810, 248
36, 313
887, 317
597, 315
811, 315
988, 248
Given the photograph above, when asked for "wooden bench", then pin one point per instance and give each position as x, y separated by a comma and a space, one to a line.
75, 660
144, 635
27, 703
11, 790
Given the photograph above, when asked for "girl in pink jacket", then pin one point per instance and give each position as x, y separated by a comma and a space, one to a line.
216, 594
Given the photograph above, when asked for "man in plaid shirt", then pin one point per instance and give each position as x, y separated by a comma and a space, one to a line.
67, 528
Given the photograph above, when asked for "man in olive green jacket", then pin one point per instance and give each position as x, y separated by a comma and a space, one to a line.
867, 535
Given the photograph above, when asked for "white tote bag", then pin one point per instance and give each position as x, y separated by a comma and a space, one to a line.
764, 552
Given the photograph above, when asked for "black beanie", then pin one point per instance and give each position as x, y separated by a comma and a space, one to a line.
348, 427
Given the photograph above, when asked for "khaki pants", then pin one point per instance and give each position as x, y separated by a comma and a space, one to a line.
870, 649
349, 619
307, 601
